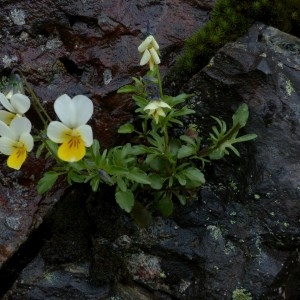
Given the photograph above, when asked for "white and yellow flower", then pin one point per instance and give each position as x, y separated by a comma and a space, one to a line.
72, 132
16, 141
16, 105
149, 49
155, 108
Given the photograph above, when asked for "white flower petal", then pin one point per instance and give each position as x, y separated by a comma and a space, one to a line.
9, 94
65, 110
86, 134
20, 125
155, 104
145, 58
160, 112
83, 108
6, 145
6, 103
152, 105
154, 56
6, 116
27, 139
144, 45
20, 102
155, 44
6, 131
163, 104
56, 131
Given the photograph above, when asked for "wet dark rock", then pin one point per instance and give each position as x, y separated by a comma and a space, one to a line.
69, 281
259, 191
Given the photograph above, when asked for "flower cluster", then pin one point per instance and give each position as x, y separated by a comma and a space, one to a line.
149, 49
72, 132
16, 140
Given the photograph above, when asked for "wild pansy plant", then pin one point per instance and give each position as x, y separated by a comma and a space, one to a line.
150, 171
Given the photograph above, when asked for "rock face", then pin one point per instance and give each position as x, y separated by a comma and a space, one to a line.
90, 47
77, 47
242, 236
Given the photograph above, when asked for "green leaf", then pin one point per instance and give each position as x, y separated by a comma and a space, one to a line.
79, 165
174, 146
186, 151
234, 150
141, 215
127, 89
125, 200
125, 150
156, 140
241, 115
52, 146
103, 175
181, 179
96, 148
126, 128
121, 184
47, 182
182, 112
165, 206
156, 181
75, 177
95, 183
156, 162
140, 101
139, 150
39, 150
138, 175
195, 176
173, 101
102, 161
245, 138
217, 154
181, 198
187, 139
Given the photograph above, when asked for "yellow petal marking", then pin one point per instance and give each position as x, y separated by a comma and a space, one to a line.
9, 118
18, 156
72, 149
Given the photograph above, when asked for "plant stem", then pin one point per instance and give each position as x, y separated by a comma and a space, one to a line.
159, 82
40, 110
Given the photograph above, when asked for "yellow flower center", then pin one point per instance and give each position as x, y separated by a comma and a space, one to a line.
18, 156
72, 149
